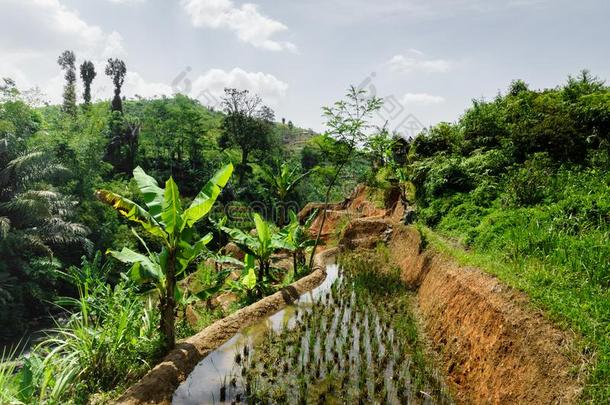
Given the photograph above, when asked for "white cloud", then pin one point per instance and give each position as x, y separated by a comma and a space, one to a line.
421, 99
246, 21
414, 61
103, 89
126, 1
209, 87
52, 27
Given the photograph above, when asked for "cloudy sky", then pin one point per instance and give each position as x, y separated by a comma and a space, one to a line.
427, 58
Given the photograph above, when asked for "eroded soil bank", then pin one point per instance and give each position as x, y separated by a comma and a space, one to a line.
494, 346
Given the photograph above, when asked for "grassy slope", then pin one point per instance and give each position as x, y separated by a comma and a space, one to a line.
571, 303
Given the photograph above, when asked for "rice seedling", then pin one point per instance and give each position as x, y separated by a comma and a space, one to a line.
353, 343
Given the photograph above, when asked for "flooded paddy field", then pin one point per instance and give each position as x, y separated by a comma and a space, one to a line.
351, 340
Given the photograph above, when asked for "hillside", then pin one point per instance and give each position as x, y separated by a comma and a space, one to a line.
177, 218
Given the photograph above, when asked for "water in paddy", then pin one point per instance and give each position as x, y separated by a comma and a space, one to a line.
335, 345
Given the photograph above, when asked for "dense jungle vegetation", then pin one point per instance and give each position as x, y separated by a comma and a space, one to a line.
126, 264
70, 263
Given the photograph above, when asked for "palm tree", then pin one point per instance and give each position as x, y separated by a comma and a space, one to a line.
33, 222
31, 211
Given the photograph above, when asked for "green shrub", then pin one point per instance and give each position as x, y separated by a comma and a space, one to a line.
439, 176
438, 208
462, 220
529, 184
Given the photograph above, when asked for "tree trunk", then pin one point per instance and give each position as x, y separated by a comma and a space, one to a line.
168, 305
260, 278
295, 263
281, 220
327, 197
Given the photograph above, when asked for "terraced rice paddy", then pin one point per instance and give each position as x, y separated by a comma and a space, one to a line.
352, 340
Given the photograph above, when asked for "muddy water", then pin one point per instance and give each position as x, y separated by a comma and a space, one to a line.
352, 340
204, 384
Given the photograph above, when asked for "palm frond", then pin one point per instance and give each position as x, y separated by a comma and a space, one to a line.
33, 242
30, 204
28, 169
6, 284
56, 231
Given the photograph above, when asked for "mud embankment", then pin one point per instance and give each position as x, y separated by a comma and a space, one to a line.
158, 386
493, 345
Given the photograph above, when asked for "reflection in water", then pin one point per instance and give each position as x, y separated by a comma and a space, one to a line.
204, 383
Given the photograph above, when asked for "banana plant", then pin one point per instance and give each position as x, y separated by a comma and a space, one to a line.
247, 283
298, 237
282, 182
208, 282
173, 225
260, 246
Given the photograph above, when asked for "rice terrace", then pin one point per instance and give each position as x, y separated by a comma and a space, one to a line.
304, 202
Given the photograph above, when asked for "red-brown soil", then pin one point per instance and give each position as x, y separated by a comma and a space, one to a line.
494, 347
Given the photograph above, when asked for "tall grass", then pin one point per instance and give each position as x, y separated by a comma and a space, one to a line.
10, 392
108, 341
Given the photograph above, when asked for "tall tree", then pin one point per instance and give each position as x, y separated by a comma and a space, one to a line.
247, 125
35, 228
87, 73
348, 123
67, 62
117, 70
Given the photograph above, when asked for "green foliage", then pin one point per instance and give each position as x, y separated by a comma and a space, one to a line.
260, 247
168, 221
298, 238
529, 183
51, 165
327, 151
178, 138
109, 340
117, 71
67, 62
282, 183
35, 227
87, 73
10, 390
246, 125
348, 125
443, 138
524, 180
